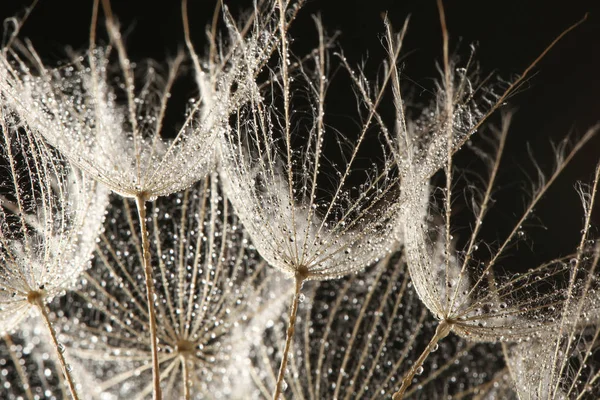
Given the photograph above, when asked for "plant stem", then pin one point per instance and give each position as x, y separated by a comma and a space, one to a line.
441, 332
290, 334
140, 202
37, 299
185, 371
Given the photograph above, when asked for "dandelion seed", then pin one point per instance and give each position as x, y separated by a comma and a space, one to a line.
50, 216
273, 168
460, 289
207, 286
478, 302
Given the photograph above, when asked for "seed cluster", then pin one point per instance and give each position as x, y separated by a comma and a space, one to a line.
262, 252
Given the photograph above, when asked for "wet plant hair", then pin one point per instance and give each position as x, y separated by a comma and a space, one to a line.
178, 285
50, 217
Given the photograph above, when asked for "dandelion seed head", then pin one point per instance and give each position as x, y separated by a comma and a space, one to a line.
106, 113
49, 218
205, 295
466, 284
306, 213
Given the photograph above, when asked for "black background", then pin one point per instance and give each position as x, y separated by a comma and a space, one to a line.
561, 97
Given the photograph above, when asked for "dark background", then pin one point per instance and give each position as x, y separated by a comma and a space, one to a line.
561, 97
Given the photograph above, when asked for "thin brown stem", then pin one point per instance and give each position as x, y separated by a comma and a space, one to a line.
37, 299
441, 332
290, 334
185, 372
140, 202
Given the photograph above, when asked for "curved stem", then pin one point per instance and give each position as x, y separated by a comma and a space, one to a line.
140, 202
289, 336
37, 300
441, 332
